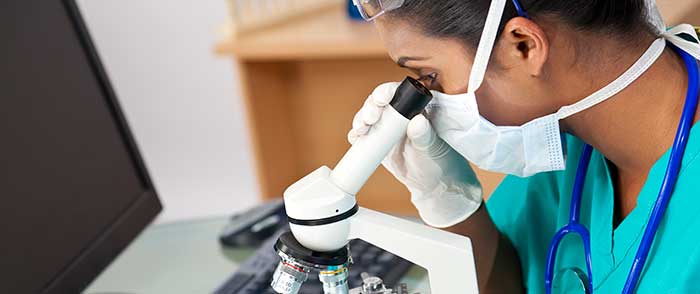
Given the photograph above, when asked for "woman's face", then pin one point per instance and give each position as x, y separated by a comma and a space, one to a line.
510, 94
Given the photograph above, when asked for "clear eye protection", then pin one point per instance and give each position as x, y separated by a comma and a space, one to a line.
371, 9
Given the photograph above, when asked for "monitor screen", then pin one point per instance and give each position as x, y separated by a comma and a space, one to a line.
73, 190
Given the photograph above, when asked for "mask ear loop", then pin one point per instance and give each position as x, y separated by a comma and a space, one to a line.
628, 77
487, 41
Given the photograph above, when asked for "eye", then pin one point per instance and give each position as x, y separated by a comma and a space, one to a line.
429, 80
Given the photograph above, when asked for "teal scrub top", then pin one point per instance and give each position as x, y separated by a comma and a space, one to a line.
529, 211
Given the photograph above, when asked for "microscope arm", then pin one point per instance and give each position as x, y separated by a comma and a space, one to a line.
447, 257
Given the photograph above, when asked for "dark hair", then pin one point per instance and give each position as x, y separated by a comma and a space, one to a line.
464, 19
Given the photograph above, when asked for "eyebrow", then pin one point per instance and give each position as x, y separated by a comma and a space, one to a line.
404, 59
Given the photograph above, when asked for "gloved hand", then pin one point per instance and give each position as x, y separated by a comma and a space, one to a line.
443, 186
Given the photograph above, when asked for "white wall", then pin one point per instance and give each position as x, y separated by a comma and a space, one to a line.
182, 102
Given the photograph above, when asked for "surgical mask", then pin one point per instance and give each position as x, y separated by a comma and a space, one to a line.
518, 150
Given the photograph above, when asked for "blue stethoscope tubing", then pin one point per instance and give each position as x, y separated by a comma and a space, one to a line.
574, 226
671, 177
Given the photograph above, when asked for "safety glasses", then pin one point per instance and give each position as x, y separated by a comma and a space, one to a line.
371, 9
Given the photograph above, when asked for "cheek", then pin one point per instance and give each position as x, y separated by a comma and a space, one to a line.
506, 98
496, 107
455, 79
497, 100
506, 103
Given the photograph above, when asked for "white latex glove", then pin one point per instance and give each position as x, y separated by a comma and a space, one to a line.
443, 186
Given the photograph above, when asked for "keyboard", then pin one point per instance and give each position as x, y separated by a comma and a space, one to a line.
255, 274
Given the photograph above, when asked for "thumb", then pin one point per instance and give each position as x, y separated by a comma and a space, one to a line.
421, 133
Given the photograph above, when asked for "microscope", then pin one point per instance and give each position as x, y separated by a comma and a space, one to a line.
324, 216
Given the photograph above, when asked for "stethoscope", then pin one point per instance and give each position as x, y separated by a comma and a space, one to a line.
575, 227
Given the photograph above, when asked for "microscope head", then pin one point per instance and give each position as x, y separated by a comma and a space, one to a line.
319, 211
319, 216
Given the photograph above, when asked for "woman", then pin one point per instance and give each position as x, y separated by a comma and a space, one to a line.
566, 72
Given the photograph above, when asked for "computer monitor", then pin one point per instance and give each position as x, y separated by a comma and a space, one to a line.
73, 188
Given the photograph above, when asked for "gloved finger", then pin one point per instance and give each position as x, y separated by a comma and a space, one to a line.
371, 113
358, 125
371, 110
382, 95
353, 136
421, 133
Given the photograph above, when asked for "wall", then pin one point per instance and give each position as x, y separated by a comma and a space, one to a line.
182, 103
676, 11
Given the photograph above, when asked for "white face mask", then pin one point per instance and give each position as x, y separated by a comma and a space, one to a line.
525, 150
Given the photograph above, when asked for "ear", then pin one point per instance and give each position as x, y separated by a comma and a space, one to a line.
523, 44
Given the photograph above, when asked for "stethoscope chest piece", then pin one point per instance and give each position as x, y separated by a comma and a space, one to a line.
570, 280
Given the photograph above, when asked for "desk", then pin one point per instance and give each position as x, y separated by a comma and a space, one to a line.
186, 258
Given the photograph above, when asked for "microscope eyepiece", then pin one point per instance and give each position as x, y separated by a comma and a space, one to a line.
411, 98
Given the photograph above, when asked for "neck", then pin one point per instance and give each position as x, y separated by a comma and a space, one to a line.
634, 128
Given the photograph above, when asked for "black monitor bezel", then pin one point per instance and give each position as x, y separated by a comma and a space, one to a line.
93, 259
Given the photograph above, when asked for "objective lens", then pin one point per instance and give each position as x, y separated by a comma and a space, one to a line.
335, 280
288, 278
